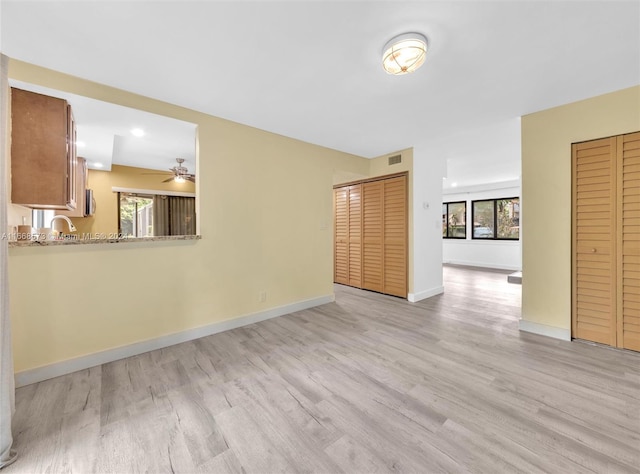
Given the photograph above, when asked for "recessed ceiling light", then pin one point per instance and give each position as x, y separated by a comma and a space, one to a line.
404, 53
81, 144
98, 165
137, 132
453, 185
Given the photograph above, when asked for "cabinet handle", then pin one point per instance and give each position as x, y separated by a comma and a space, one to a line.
594, 250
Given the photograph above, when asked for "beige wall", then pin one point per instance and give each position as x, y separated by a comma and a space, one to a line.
265, 210
546, 195
105, 219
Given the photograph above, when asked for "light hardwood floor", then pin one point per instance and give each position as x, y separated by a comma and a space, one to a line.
370, 383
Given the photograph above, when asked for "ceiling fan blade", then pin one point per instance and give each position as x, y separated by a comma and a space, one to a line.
163, 173
169, 179
191, 178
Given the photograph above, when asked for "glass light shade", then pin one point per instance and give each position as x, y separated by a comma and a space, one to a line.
404, 53
179, 179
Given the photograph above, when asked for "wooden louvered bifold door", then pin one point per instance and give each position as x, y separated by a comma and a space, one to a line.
372, 235
395, 236
628, 154
594, 257
355, 235
606, 241
341, 234
347, 208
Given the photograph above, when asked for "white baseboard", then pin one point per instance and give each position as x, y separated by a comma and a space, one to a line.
544, 330
45, 372
497, 266
422, 295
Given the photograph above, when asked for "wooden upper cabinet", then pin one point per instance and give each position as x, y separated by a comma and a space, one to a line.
72, 161
81, 178
43, 156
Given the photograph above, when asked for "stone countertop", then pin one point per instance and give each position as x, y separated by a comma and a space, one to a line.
100, 240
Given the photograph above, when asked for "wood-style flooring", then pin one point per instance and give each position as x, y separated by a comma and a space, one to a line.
370, 383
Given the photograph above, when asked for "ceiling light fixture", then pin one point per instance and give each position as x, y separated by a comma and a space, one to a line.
404, 53
137, 132
179, 179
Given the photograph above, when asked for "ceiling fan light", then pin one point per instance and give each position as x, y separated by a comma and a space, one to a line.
404, 53
179, 179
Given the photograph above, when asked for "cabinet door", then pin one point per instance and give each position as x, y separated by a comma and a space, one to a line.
72, 164
629, 241
40, 151
594, 254
81, 187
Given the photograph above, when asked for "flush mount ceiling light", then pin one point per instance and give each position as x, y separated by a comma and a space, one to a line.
404, 53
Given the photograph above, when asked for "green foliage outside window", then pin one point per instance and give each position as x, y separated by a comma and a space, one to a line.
454, 220
496, 219
134, 221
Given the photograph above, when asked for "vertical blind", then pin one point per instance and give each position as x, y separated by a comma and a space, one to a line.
174, 215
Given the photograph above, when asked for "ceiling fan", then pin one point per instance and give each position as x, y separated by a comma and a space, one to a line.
180, 173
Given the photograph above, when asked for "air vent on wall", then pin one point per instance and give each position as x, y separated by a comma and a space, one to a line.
395, 159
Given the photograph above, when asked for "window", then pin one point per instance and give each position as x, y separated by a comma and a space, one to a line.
496, 219
41, 217
136, 215
454, 220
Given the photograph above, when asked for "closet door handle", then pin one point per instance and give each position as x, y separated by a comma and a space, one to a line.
594, 250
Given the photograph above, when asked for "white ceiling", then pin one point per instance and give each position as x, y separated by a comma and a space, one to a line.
311, 69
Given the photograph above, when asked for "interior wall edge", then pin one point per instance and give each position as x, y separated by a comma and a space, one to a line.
490, 265
544, 330
423, 295
38, 374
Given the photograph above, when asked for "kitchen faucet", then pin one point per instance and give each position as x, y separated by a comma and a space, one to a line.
72, 228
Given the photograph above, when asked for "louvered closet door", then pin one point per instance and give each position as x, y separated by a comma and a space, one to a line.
355, 235
629, 241
594, 255
372, 235
341, 234
395, 236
